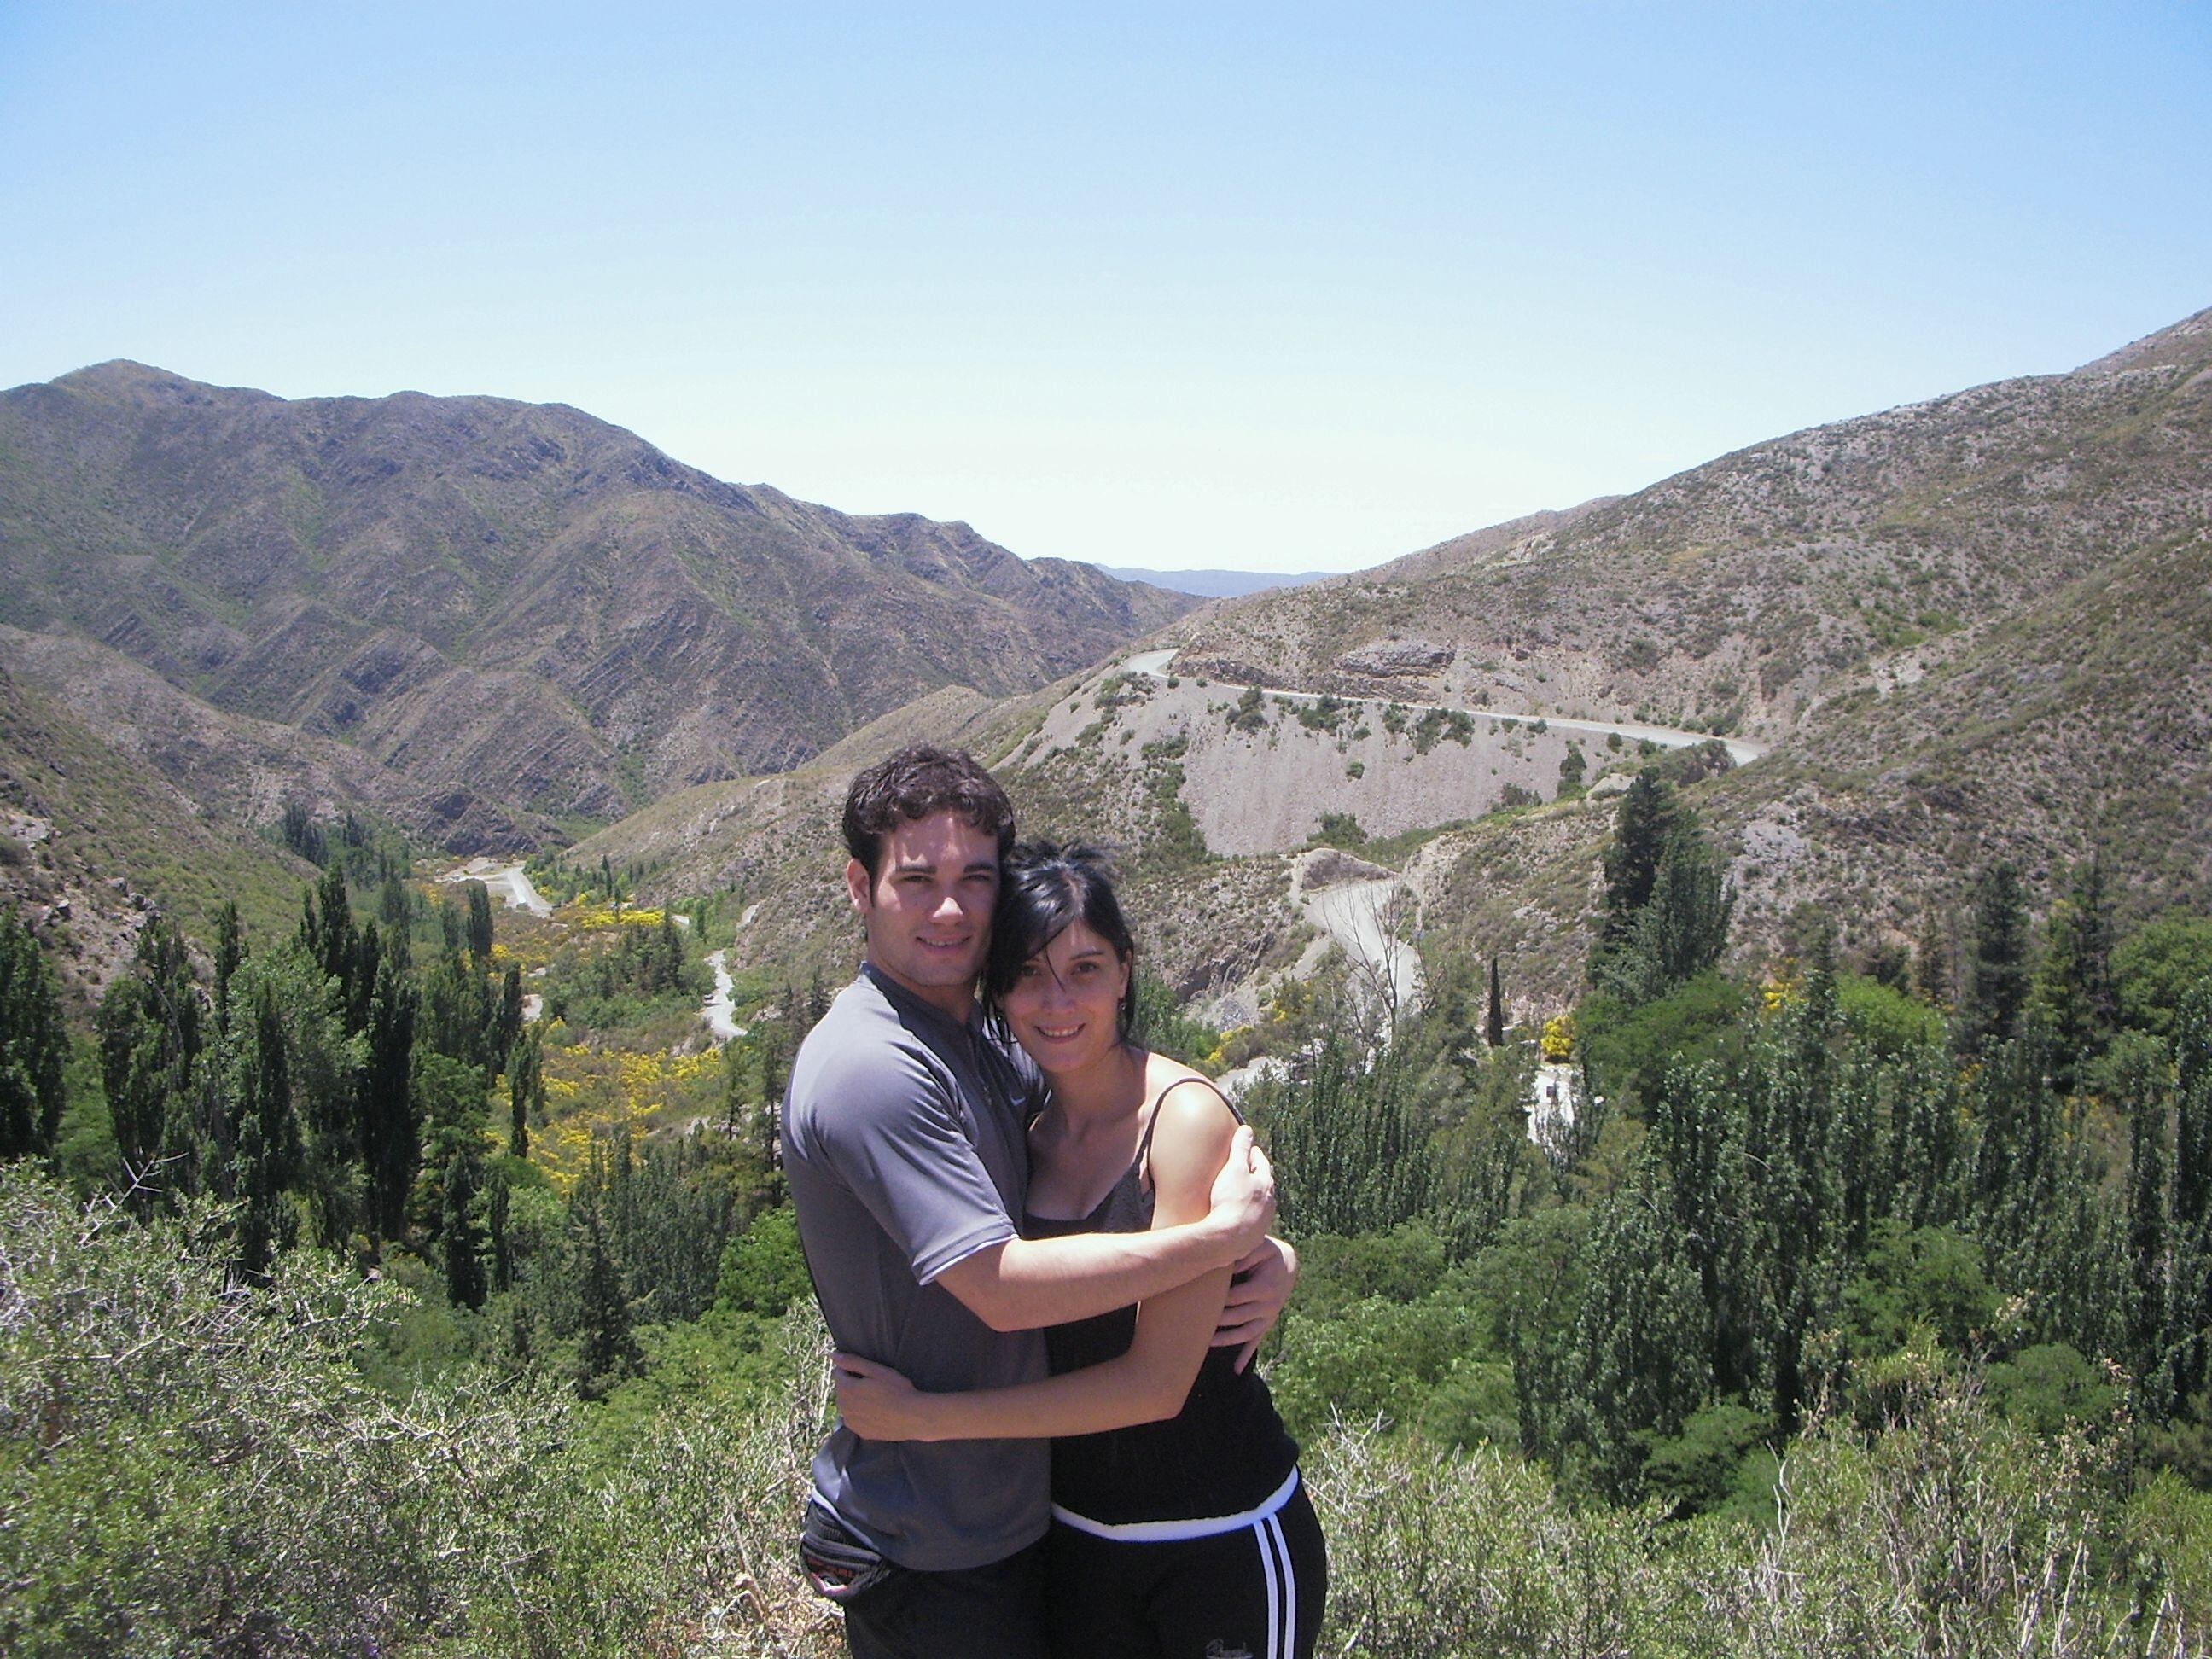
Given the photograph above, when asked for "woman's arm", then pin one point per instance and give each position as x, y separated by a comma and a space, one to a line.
1190, 1140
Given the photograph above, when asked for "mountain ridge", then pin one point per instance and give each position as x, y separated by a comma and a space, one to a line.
515, 600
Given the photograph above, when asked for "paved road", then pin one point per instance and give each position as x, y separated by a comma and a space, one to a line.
507, 881
1155, 663
718, 1011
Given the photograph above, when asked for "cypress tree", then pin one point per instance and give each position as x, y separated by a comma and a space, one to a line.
1997, 965
609, 1349
496, 1206
229, 951
463, 1238
1642, 829
1494, 1027
390, 1134
33, 1043
507, 1018
526, 1091
2075, 981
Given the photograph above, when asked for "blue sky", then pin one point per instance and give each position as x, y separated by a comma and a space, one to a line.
1270, 287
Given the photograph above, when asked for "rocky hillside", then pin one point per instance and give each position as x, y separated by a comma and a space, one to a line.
92, 844
1977, 627
1738, 595
511, 610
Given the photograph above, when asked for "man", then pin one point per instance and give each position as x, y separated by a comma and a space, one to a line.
903, 1146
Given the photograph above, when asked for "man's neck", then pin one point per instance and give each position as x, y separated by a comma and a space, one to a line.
954, 1002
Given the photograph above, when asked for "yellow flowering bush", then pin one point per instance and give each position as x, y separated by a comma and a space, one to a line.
1559, 1039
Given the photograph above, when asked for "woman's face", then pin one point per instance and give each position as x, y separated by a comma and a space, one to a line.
1064, 1004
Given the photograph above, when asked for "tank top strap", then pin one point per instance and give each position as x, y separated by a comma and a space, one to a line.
1143, 1162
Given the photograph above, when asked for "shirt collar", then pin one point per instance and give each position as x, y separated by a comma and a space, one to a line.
907, 1002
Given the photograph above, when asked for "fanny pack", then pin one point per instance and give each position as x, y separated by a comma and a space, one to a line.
837, 1564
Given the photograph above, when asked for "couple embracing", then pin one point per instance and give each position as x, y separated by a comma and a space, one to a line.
1041, 1251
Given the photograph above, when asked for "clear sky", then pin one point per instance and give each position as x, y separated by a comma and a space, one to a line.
1274, 287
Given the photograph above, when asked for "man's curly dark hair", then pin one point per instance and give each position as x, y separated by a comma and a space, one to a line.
918, 781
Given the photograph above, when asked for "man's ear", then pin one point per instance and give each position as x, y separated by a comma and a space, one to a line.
859, 885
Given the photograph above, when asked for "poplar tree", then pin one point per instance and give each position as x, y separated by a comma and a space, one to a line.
479, 921
150, 1024
2190, 1314
264, 1132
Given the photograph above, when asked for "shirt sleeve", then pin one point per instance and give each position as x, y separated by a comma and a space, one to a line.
892, 1128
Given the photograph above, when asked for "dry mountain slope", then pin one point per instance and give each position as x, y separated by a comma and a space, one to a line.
1739, 593
515, 601
1973, 627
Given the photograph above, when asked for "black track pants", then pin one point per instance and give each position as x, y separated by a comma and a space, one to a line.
1255, 1593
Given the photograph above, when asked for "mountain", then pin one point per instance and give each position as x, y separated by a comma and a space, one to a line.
1211, 584
1975, 627
91, 844
518, 612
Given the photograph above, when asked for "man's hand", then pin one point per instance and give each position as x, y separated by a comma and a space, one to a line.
1242, 1201
1264, 1281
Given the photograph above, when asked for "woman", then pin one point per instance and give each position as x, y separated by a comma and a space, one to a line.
1180, 1527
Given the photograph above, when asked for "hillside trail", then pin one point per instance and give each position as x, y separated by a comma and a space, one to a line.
1154, 665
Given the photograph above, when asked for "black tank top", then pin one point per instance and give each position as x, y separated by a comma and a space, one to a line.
1225, 1452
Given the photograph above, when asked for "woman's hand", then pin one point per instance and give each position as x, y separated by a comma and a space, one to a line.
877, 1402
1264, 1281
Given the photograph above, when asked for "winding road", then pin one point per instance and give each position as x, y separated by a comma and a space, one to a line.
1154, 665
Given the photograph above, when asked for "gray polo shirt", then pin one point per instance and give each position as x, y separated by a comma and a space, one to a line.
903, 1144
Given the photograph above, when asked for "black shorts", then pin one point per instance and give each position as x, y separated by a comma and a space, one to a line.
1254, 1593
993, 1612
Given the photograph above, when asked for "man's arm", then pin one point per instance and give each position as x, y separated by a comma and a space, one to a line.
1021, 1284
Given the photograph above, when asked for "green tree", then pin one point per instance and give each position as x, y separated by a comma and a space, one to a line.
609, 1351
462, 1239
1642, 827
229, 951
390, 1134
2074, 982
479, 922
33, 1043
1997, 963
150, 1025
256, 1076
1493, 1024
526, 1091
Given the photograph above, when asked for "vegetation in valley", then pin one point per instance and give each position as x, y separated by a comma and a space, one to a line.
1860, 1307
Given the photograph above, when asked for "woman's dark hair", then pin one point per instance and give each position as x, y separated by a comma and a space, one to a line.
1043, 887
914, 783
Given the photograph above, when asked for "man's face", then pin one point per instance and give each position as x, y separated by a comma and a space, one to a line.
927, 909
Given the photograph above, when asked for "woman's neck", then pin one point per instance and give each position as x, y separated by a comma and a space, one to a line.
1106, 1090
